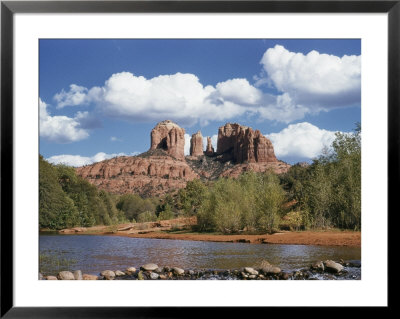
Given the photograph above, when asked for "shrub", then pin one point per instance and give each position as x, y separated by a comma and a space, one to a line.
146, 217
292, 221
166, 214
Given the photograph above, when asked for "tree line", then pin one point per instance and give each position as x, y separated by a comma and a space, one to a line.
67, 200
326, 193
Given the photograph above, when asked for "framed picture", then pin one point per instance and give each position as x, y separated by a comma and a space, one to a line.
126, 124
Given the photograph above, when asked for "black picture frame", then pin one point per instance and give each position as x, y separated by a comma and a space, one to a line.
9, 8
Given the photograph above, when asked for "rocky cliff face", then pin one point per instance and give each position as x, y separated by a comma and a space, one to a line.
210, 149
150, 174
196, 145
164, 167
242, 144
169, 137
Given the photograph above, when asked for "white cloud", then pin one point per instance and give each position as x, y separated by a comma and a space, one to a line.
239, 91
61, 129
314, 80
77, 160
179, 96
76, 95
187, 144
301, 140
115, 139
282, 109
307, 84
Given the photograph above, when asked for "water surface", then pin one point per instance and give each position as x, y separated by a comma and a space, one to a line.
93, 253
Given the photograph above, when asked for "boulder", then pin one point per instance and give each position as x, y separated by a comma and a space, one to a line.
178, 271
51, 278
130, 270
65, 275
119, 273
196, 144
78, 275
158, 270
270, 270
89, 277
251, 271
108, 274
154, 276
332, 266
319, 265
149, 267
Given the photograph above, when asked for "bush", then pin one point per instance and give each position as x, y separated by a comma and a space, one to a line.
132, 205
292, 221
166, 214
146, 217
253, 201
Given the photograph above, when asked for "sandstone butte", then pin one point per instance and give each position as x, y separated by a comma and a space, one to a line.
164, 167
196, 144
209, 149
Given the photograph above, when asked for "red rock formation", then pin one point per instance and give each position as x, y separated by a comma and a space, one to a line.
210, 149
169, 137
164, 168
242, 144
148, 176
196, 144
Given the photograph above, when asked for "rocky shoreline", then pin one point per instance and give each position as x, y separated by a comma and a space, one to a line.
320, 270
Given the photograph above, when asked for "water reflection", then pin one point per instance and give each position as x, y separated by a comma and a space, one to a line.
96, 253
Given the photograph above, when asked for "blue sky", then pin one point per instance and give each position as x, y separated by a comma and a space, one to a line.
101, 98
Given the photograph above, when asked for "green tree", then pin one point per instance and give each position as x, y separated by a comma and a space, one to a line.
191, 197
56, 209
132, 205
252, 202
67, 200
269, 201
332, 189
